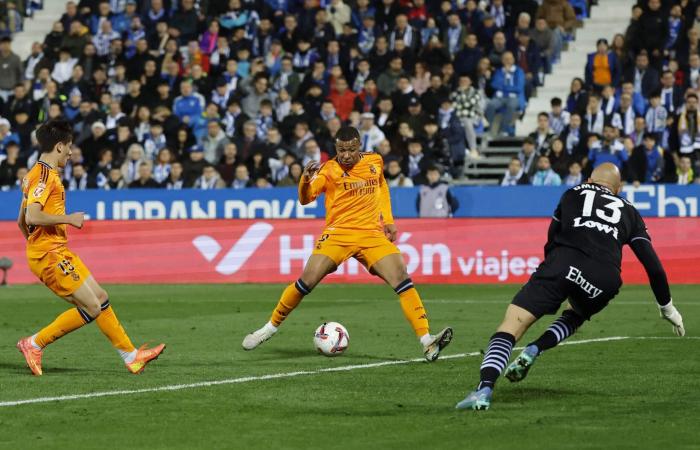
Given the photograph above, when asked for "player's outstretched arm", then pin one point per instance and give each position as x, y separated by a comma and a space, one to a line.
36, 217
646, 254
311, 184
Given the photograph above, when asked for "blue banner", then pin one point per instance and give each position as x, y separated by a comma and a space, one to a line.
281, 203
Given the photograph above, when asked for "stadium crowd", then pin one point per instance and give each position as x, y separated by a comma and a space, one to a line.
636, 106
236, 93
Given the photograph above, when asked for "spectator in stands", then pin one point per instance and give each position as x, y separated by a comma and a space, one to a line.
602, 68
561, 19
162, 168
545, 176
654, 32
78, 180
594, 118
527, 57
656, 116
528, 157
544, 38
624, 117
508, 84
575, 138
210, 179
644, 78
542, 135
416, 163
242, 178
370, 134
453, 132
10, 68
688, 127
498, 49
194, 166
386, 82
176, 180
515, 175
393, 175
639, 103
9, 167
575, 176
609, 150
467, 103
558, 158
116, 180
467, 59
646, 163
130, 169
293, 176
577, 101
145, 179
671, 94
435, 198
558, 117
684, 174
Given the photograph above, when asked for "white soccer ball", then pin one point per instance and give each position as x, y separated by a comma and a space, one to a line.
331, 339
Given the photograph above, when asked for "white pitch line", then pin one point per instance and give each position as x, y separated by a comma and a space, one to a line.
275, 376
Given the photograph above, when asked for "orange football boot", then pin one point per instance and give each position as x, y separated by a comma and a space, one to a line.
31, 355
144, 356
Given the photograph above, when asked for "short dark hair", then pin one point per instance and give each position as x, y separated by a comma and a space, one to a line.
53, 132
556, 101
347, 134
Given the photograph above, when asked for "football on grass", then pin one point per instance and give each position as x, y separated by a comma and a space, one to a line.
331, 339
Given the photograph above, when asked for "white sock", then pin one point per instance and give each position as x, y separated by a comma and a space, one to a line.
128, 357
426, 339
34, 344
270, 328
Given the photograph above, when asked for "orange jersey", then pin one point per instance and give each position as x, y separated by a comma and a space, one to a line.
355, 200
43, 185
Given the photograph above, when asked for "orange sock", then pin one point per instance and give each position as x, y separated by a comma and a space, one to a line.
291, 297
110, 327
412, 307
65, 323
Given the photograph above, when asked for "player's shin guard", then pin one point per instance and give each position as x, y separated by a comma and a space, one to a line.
560, 329
112, 328
291, 297
496, 358
68, 321
412, 307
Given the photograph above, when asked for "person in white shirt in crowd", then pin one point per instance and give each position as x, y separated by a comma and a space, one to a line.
559, 118
370, 134
210, 179
594, 119
63, 69
134, 157
115, 113
32, 60
161, 170
656, 116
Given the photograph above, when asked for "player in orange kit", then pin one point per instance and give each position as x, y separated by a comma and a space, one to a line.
43, 219
359, 224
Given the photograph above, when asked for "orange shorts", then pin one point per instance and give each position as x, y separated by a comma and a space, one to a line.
60, 270
367, 248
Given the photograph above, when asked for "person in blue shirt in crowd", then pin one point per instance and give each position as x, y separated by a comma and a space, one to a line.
189, 105
508, 84
609, 150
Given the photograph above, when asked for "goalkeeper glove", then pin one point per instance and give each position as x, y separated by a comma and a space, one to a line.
670, 313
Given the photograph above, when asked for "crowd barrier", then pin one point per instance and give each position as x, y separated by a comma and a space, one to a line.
281, 203
497, 250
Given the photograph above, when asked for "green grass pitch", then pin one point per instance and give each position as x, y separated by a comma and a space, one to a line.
630, 393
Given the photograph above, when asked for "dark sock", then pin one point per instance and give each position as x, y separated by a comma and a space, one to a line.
496, 358
560, 329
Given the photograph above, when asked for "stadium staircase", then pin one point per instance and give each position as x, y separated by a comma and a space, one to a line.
37, 27
608, 18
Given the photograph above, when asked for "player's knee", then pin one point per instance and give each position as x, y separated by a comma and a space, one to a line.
93, 310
